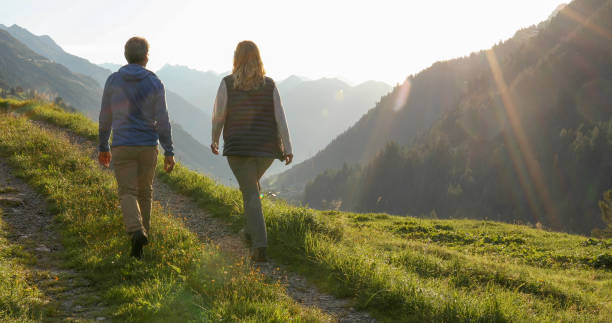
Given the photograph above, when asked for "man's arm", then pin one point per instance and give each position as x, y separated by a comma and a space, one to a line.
163, 123
219, 114
106, 118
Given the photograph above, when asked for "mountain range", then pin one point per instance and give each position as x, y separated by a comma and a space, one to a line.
22, 67
47, 47
528, 139
407, 112
110, 66
197, 87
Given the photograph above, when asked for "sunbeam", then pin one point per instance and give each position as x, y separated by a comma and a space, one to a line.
404, 93
524, 157
586, 23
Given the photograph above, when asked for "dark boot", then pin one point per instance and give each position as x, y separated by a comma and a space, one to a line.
259, 255
139, 240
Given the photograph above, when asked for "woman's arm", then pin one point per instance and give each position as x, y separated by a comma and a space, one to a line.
219, 113
281, 123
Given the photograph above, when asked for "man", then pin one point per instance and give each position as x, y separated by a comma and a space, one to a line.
134, 107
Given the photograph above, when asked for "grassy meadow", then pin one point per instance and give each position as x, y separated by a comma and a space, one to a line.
19, 301
400, 269
179, 278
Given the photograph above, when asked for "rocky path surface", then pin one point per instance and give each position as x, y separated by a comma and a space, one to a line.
213, 230
68, 295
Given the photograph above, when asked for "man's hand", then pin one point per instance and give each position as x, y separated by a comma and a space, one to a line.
169, 163
288, 159
104, 158
214, 147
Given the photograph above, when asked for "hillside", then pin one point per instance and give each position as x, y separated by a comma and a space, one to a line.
397, 116
194, 155
192, 119
21, 67
408, 111
191, 134
416, 270
110, 66
529, 141
318, 110
197, 87
46, 46
412, 108
290, 82
83, 272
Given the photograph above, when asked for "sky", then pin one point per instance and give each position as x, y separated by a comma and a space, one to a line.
355, 40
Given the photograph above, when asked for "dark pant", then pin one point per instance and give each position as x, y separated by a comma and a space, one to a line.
134, 168
248, 172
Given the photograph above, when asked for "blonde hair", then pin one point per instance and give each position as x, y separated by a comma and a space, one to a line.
248, 72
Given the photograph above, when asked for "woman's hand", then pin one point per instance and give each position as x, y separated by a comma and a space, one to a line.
214, 147
288, 159
104, 158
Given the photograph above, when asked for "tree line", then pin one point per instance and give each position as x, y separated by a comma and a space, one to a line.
529, 141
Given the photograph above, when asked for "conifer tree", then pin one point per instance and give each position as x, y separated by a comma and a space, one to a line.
605, 206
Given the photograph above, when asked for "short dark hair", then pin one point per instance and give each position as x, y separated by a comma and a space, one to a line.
136, 50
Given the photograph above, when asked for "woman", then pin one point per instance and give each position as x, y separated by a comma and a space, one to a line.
249, 112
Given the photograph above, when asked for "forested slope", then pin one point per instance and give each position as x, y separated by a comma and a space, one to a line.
21, 67
530, 141
409, 110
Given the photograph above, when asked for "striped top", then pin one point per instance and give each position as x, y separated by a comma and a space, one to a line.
253, 122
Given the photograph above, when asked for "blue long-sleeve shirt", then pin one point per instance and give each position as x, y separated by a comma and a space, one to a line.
134, 107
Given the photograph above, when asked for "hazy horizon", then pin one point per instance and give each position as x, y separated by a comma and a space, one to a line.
383, 41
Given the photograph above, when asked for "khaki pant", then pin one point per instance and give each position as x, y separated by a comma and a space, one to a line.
134, 168
248, 172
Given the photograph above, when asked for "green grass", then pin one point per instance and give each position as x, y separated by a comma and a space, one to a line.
179, 279
7, 189
418, 270
19, 300
48, 112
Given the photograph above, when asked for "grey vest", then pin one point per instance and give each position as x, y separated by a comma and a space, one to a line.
250, 127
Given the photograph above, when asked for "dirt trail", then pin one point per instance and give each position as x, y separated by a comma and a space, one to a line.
210, 229
68, 295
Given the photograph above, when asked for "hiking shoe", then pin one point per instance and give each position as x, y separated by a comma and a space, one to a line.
139, 240
246, 238
259, 255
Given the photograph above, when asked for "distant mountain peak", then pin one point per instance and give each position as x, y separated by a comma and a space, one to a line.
47, 37
16, 26
47, 47
293, 78
110, 66
372, 82
345, 80
185, 69
23, 66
